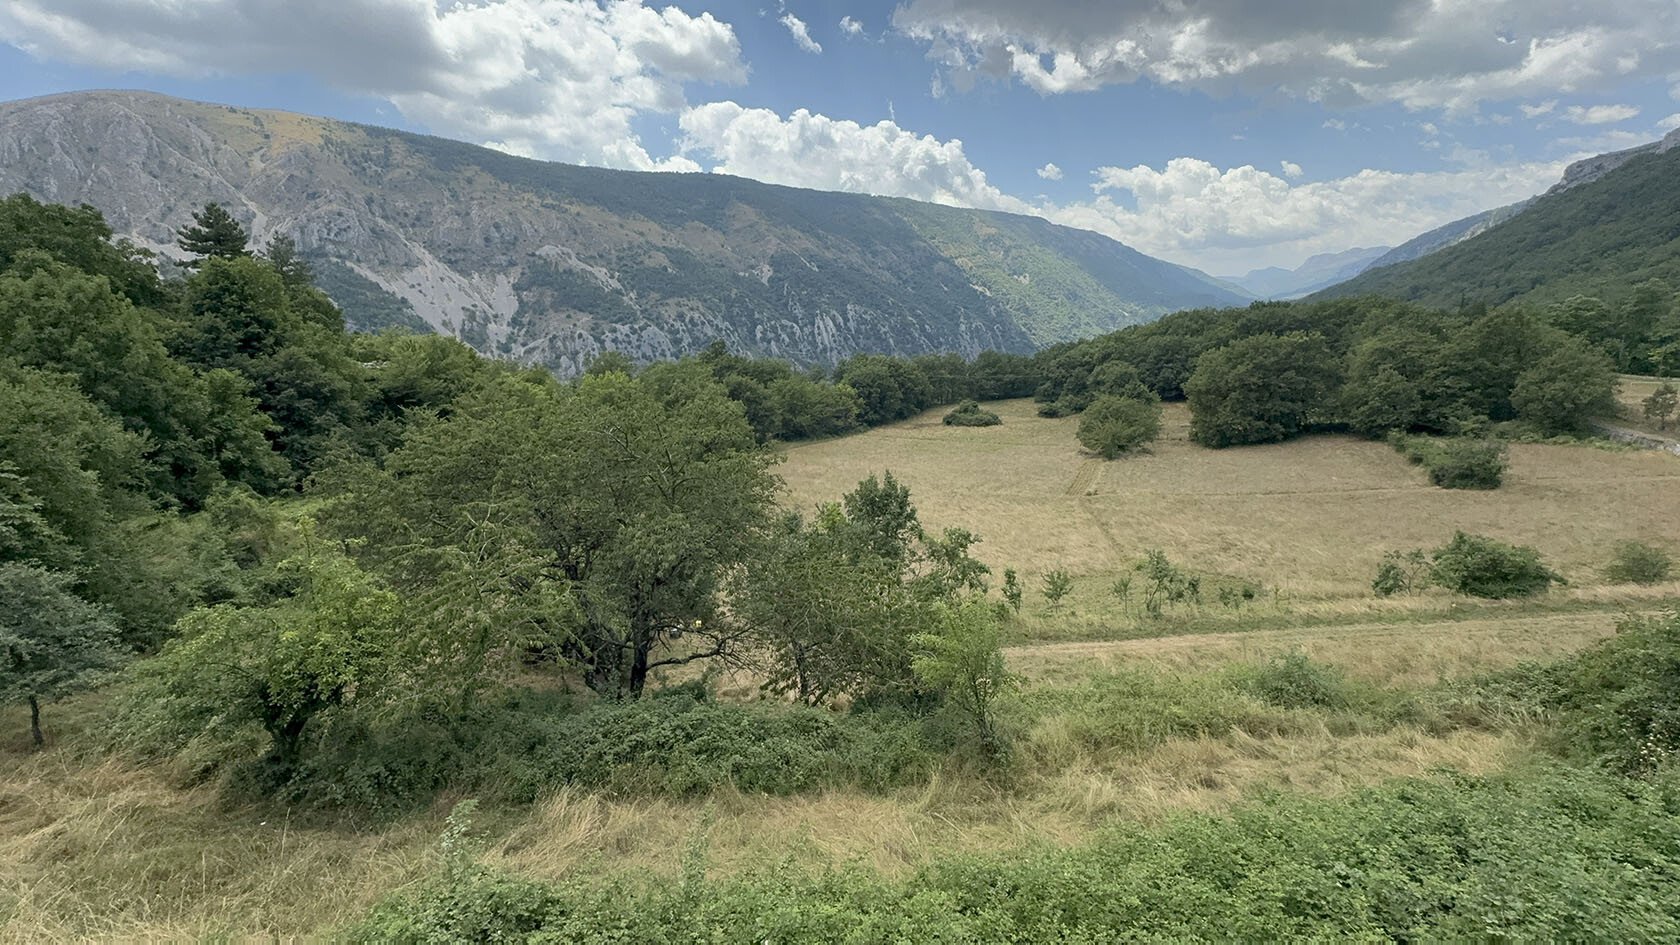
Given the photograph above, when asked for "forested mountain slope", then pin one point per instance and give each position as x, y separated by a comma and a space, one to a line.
1596, 234
551, 263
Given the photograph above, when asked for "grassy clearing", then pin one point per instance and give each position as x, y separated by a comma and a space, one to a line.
1147, 720
1308, 519
1630, 399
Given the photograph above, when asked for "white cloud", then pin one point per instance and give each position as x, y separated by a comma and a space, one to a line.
850, 26
1599, 114
800, 33
553, 78
1452, 54
1050, 172
1670, 123
806, 150
1335, 124
1292, 170
1243, 218
1535, 111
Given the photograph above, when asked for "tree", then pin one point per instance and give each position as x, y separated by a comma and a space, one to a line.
1113, 425
1565, 388
1260, 389
961, 658
1660, 406
645, 507
281, 253
52, 643
1401, 572
334, 641
1164, 583
213, 233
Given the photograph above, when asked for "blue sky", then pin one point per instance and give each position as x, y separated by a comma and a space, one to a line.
1225, 134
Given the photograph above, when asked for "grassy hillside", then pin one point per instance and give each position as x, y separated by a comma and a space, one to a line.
1598, 239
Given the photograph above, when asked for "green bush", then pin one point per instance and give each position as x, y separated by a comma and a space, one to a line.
1113, 425
1619, 701
1549, 856
1057, 584
1455, 462
525, 744
969, 414
1635, 562
1482, 567
1401, 572
1293, 681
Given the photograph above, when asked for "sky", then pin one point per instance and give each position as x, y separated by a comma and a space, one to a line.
1227, 135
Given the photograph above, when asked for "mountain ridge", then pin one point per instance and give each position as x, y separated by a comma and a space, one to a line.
552, 263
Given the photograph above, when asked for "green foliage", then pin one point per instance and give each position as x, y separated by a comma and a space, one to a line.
1114, 425
1455, 462
1164, 583
213, 232
969, 414
1012, 590
1546, 856
1483, 567
1260, 389
1057, 584
52, 643
961, 659
1292, 680
1619, 700
1634, 562
1402, 572
1660, 406
1568, 386
277, 667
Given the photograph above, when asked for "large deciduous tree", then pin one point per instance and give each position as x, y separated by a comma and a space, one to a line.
1260, 389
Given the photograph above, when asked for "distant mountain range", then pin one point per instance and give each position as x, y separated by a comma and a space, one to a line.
1610, 224
1325, 269
552, 263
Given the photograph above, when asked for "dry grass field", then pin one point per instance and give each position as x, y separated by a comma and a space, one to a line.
1309, 519
96, 849
1631, 397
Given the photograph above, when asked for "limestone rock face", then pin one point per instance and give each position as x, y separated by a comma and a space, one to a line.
551, 263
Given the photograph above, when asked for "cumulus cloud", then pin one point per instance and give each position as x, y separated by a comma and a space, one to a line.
1670, 123
850, 26
1292, 170
806, 150
1535, 111
1050, 172
1452, 54
801, 33
560, 79
1242, 218
1599, 114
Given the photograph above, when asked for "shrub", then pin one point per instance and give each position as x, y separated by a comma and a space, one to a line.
969, 414
1482, 567
1401, 572
1635, 562
1548, 856
1293, 681
1057, 584
1455, 462
1113, 425
1619, 700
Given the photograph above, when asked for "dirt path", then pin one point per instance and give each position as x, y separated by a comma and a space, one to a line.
1085, 477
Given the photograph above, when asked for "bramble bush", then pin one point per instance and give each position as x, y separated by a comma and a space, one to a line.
969, 414
1477, 566
1455, 462
1635, 562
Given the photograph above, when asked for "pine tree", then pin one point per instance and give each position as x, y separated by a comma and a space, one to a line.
214, 232
282, 253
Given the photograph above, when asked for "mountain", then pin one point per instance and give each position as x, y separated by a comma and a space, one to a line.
1443, 236
1325, 269
552, 263
1613, 222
